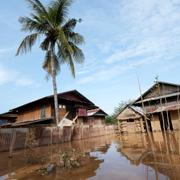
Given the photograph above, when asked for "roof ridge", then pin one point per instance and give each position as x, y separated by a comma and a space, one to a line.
51, 96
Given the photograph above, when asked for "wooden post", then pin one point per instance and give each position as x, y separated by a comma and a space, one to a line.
144, 113
12, 143
179, 121
143, 107
118, 126
162, 115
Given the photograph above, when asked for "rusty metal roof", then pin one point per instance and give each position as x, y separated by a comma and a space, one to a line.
96, 111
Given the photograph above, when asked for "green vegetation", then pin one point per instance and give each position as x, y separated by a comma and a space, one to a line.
57, 38
111, 119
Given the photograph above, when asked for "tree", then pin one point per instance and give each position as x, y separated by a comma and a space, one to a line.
58, 39
120, 107
111, 119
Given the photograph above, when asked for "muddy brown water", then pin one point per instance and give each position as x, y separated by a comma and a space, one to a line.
126, 157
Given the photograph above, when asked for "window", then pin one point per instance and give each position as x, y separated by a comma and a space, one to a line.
81, 112
62, 106
3, 122
43, 112
130, 120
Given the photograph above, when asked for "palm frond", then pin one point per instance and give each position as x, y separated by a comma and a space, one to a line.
62, 40
27, 43
38, 7
78, 55
68, 28
66, 57
76, 38
59, 10
29, 24
72, 68
45, 44
47, 64
70, 25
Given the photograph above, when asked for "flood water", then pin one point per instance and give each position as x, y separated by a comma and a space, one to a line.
126, 157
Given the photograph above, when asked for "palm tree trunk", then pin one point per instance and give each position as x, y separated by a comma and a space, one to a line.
55, 99
55, 91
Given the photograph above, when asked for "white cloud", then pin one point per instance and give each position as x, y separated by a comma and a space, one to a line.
6, 76
82, 72
107, 74
149, 32
148, 47
24, 82
10, 76
4, 51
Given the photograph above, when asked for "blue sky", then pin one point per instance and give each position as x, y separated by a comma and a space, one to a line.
124, 39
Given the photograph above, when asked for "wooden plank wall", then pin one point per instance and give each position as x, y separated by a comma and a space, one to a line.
43, 135
34, 113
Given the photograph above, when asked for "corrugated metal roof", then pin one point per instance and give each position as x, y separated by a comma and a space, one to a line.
92, 112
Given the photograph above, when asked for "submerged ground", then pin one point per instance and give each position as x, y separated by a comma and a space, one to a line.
129, 156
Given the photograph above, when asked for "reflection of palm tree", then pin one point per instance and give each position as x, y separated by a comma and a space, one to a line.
59, 42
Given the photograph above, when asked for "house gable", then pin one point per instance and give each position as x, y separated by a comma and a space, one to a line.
128, 113
160, 89
74, 96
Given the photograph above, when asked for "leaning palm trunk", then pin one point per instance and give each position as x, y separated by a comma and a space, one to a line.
55, 92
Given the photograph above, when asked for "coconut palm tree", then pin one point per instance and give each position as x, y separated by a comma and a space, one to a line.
60, 43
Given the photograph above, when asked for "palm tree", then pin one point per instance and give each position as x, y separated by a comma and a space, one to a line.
58, 39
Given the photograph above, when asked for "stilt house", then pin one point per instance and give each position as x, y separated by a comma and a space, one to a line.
162, 105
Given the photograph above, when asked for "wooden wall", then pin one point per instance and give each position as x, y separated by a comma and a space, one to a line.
95, 121
131, 127
62, 112
58, 135
155, 123
175, 119
34, 113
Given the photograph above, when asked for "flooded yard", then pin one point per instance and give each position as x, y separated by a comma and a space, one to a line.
128, 156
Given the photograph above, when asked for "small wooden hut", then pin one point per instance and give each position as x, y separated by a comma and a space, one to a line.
130, 120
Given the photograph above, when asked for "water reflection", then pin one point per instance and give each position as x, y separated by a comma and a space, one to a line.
159, 151
128, 156
22, 170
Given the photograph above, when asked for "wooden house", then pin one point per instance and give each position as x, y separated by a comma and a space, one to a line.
130, 120
96, 117
161, 104
6, 119
42, 112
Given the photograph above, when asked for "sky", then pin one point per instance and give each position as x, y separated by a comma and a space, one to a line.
124, 40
